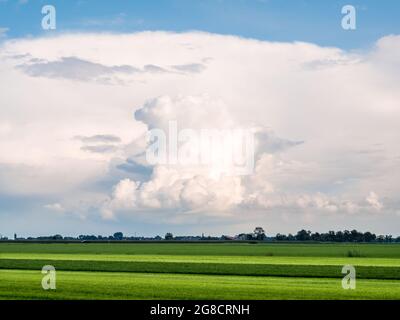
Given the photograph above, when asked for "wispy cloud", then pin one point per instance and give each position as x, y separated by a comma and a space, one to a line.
3, 32
192, 67
113, 21
74, 68
100, 138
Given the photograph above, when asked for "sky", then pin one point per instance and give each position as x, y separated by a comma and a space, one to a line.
79, 103
273, 20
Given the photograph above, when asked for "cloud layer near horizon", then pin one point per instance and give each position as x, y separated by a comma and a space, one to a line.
328, 134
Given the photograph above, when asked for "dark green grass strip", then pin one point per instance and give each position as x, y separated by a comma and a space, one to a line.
323, 271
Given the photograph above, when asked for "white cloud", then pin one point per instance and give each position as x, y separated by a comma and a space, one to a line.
179, 190
56, 207
327, 119
374, 202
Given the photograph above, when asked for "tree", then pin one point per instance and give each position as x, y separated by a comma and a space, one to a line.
169, 236
388, 238
380, 238
368, 236
118, 236
339, 236
316, 236
346, 236
281, 237
259, 233
331, 235
303, 235
355, 236
291, 237
249, 236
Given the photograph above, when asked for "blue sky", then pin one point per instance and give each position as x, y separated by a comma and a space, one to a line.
292, 20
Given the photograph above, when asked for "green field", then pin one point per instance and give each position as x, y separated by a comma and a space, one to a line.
200, 271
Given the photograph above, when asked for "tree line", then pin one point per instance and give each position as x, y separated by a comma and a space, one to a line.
339, 236
257, 235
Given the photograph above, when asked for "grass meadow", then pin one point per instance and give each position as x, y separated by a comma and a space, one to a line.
199, 271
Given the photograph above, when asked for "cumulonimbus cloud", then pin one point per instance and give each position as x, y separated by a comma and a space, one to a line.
315, 107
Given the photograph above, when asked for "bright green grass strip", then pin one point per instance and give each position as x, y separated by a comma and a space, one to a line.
208, 259
26, 284
234, 249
